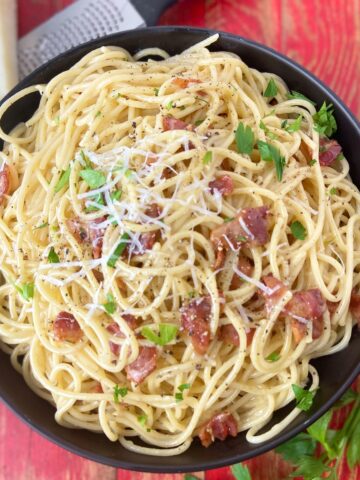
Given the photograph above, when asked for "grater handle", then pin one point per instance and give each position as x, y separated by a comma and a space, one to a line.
151, 10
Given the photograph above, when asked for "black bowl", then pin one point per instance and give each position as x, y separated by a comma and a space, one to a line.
336, 372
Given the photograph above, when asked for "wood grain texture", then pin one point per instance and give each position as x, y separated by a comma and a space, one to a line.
322, 36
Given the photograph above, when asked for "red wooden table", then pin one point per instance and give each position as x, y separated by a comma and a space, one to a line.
322, 35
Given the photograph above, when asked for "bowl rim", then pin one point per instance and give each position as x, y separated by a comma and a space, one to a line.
282, 436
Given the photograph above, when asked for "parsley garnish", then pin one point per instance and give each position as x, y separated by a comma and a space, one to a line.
294, 126
97, 114
85, 159
298, 230
324, 120
122, 391
99, 199
93, 178
43, 225
26, 291
116, 195
142, 419
199, 122
333, 191
167, 333
293, 94
273, 357
169, 106
240, 472
271, 89
301, 450
312, 162
184, 386
63, 180
267, 131
118, 250
304, 398
110, 305
53, 256
156, 91
207, 158
244, 137
269, 153
178, 397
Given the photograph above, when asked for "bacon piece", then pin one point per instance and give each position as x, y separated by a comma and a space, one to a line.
329, 150
66, 327
332, 306
172, 123
97, 388
223, 184
228, 334
153, 210
195, 320
305, 306
246, 267
148, 240
96, 236
248, 228
277, 291
184, 82
220, 426
114, 329
4, 182
88, 233
355, 306
145, 363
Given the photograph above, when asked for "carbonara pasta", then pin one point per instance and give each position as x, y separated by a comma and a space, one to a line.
179, 238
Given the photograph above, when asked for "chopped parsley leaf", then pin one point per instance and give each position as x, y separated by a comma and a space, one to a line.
298, 230
271, 89
273, 357
53, 256
244, 138
93, 178
118, 250
207, 158
167, 333
296, 95
304, 398
26, 291
63, 180
269, 153
324, 120
110, 305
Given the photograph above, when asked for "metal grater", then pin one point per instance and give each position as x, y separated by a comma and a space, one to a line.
78, 23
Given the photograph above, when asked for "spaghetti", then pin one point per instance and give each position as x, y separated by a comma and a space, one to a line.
179, 238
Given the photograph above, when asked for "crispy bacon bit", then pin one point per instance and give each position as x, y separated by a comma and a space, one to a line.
172, 123
185, 82
223, 184
97, 388
355, 306
145, 363
114, 329
4, 182
246, 267
88, 233
66, 327
306, 305
332, 306
329, 150
228, 334
96, 236
220, 426
98, 275
148, 240
153, 210
248, 228
195, 320
277, 291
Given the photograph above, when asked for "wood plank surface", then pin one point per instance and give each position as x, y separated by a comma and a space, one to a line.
322, 36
